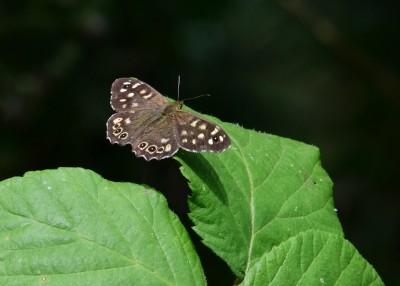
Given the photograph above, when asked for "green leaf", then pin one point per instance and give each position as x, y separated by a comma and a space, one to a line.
313, 258
72, 227
262, 191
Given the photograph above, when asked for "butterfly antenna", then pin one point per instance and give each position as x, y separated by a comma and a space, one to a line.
179, 84
202, 95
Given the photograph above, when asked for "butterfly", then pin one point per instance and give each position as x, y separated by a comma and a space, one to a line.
155, 127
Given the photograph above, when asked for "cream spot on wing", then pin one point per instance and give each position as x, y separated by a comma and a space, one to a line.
164, 140
117, 120
184, 133
148, 96
221, 138
194, 141
194, 123
122, 100
123, 105
168, 148
136, 85
135, 104
210, 141
131, 94
200, 136
184, 140
203, 126
123, 90
127, 121
215, 131
143, 91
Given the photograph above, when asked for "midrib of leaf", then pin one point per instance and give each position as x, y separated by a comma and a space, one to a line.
243, 234
252, 190
252, 212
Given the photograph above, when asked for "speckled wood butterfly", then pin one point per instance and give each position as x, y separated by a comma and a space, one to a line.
155, 127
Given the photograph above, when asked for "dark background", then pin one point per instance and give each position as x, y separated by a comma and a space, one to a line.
322, 72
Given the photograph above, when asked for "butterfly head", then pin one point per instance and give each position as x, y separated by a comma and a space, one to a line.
171, 108
178, 104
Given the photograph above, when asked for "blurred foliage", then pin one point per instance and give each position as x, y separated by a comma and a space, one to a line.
326, 73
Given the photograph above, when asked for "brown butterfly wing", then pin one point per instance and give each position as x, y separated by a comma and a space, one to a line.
197, 134
130, 94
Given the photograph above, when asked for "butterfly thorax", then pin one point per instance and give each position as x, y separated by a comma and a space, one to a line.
171, 108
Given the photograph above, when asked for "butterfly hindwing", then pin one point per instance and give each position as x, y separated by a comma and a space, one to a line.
157, 141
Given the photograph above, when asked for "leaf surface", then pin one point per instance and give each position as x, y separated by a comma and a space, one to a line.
72, 227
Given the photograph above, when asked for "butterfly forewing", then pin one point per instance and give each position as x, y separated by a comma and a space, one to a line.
196, 134
129, 94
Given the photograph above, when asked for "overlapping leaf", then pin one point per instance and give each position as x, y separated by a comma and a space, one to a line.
262, 191
313, 258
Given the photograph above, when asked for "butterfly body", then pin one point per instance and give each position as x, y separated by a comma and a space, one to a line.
155, 127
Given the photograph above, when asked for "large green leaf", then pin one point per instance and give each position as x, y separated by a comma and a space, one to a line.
257, 194
72, 227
